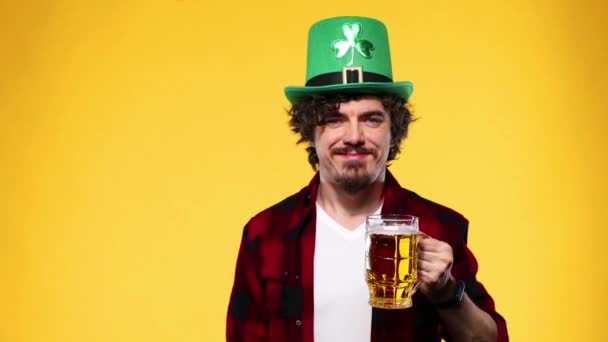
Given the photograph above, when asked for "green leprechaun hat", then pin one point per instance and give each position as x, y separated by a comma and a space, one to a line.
349, 55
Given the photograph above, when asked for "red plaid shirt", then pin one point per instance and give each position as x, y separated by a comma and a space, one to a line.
272, 296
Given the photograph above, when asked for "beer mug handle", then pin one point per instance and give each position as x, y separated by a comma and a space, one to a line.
420, 236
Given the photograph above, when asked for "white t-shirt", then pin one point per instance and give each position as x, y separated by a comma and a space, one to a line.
341, 309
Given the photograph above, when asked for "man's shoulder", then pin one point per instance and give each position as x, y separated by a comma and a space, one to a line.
427, 207
275, 219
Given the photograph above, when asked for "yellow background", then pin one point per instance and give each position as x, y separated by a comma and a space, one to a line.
136, 139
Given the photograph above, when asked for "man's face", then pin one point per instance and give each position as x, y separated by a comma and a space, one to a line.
353, 144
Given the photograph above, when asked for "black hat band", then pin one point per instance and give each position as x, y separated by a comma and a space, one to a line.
348, 75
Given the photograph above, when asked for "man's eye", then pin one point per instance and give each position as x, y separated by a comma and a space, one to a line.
374, 120
332, 121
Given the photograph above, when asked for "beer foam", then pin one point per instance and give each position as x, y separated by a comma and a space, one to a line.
392, 229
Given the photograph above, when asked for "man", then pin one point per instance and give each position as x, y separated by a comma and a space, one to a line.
299, 274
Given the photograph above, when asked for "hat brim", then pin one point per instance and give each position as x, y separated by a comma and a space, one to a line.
403, 89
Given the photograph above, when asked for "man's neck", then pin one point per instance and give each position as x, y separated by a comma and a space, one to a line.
350, 209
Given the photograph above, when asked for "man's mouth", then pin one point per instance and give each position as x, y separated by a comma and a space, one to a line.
353, 153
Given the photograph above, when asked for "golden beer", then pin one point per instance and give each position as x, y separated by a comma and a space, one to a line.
391, 260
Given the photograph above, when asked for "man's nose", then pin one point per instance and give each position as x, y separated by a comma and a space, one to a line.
354, 134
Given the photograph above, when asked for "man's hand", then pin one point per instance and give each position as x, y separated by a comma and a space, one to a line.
465, 322
435, 259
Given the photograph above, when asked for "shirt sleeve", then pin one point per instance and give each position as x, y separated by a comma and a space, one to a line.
247, 319
465, 268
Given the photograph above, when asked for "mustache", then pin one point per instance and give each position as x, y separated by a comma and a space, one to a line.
356, 149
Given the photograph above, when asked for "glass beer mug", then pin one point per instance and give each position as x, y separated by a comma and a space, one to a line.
391, 257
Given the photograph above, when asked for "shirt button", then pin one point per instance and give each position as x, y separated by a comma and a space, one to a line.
298, 322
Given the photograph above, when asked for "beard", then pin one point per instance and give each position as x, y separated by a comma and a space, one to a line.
354, 179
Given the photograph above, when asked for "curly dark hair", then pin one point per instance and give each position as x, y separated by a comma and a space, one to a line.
310, 111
